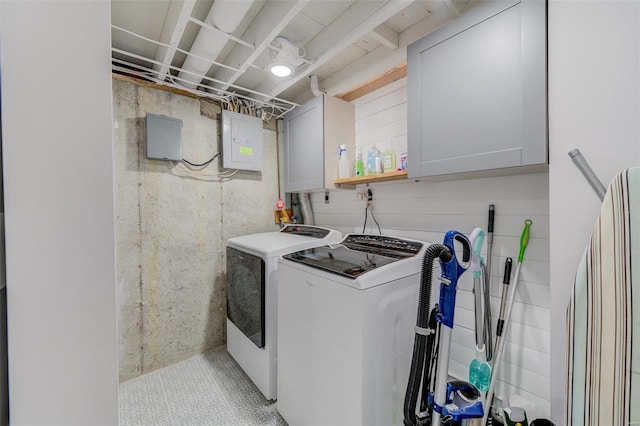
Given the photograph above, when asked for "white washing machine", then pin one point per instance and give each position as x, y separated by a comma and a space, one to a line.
345, 330
252, 262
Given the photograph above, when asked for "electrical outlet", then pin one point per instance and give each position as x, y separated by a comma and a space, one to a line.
365, 194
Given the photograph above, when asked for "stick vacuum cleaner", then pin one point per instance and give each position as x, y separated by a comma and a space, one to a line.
441, 401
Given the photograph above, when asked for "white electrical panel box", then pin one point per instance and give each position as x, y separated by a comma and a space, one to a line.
164, 137
241, 141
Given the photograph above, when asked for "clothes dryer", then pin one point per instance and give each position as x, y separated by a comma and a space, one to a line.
252, 262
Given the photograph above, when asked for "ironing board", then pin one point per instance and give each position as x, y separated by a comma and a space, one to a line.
603, 317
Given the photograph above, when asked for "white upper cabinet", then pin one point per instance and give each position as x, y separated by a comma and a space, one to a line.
477, 91
313, 133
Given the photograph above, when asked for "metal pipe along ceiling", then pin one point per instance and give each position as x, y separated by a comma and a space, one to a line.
225, 15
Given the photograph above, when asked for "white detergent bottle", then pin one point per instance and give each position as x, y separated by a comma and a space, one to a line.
343, 163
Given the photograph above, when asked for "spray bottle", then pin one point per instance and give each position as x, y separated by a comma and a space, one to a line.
343, 163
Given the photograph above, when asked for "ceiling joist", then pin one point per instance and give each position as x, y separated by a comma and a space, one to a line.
386, 36
174, 25
339, 35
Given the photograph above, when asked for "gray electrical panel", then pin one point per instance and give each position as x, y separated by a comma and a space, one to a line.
241, 141
164, 137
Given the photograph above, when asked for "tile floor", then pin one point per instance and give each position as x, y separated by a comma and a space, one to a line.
205, 390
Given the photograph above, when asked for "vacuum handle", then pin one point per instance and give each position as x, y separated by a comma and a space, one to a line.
466, 247
492, 211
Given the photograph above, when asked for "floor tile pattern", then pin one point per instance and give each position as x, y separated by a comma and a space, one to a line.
206, 390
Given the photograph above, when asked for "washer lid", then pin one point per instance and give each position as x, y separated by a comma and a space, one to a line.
288, 239
357, 254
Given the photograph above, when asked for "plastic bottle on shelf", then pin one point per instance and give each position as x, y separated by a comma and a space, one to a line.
359, 163
373, 161
343, 163
389, 161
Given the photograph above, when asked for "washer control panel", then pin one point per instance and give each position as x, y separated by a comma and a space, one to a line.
387, 246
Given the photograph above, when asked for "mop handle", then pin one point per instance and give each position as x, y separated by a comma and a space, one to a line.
501, 345
524, 241
486, 273
492, 211
503, 301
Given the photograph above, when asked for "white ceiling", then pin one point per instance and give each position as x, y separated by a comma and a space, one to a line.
347, 43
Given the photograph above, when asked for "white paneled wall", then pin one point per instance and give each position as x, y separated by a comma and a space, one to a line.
426, 210
381, 119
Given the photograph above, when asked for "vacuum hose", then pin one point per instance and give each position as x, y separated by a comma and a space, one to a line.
420, 349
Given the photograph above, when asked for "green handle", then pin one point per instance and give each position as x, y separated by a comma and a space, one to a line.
524, 239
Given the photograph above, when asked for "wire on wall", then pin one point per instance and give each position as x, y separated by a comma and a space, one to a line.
369, 208
181, 169
206, 163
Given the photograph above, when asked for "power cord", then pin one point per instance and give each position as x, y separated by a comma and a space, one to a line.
369, 207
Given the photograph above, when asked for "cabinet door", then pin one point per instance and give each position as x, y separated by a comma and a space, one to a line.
304, 147
477, 92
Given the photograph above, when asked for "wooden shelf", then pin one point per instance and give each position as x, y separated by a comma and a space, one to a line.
382, 177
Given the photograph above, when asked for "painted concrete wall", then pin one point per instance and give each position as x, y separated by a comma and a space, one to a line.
594, 105
58, 176
171, 230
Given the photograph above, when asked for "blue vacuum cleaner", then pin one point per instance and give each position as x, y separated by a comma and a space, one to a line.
441, 401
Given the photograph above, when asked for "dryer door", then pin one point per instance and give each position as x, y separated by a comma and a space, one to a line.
245, 294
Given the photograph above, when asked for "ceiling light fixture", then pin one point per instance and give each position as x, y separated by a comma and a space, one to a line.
281, 69
287, 59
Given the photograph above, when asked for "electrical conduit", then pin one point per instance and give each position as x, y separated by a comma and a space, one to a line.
305, 208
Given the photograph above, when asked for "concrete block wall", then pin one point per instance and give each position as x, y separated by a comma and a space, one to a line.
171, 230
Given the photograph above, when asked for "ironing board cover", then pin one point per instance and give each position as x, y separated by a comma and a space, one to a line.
603, 317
